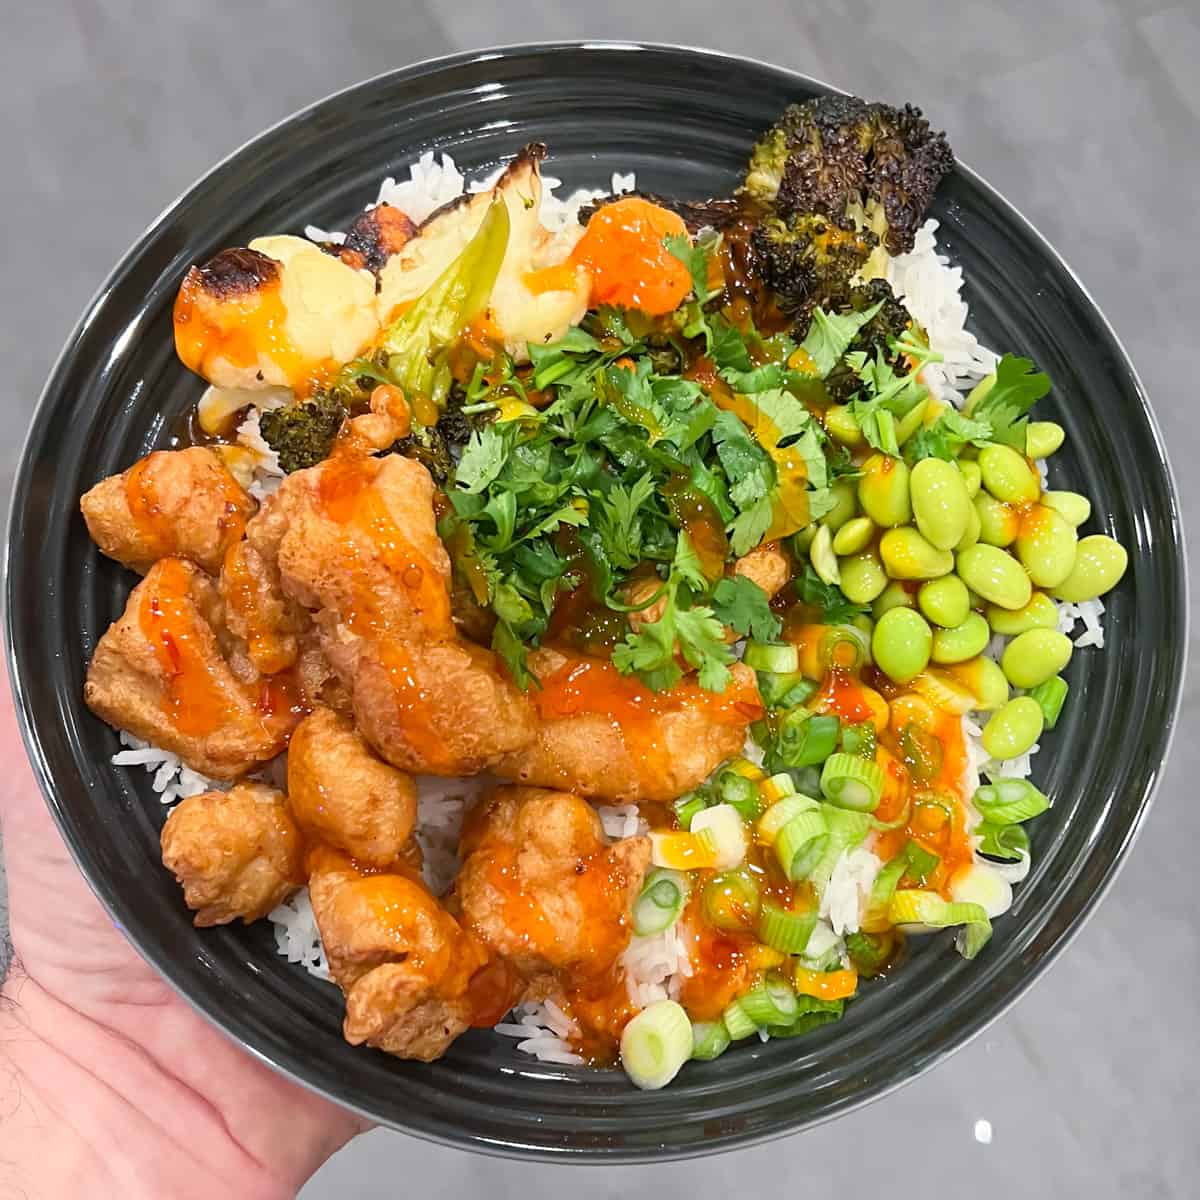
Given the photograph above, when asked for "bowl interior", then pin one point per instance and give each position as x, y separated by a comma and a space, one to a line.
683, 121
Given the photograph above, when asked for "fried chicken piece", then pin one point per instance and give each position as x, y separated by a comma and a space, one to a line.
172, 502
160, 672
541, 887
355, 540
257, 610
374, 237
402, 961
341, 793
236, 853
279, 313
767, 565
604, 734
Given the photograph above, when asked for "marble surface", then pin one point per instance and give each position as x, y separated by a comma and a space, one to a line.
1086, 113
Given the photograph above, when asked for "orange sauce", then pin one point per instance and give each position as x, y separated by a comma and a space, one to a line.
141, 494
561, 277
699, 519
622, 248
720, 964
492, 991
268, 651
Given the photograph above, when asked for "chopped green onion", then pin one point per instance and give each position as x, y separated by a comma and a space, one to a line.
780, 813
911, 907
803, 739
784, 691
777, 787
660, 901
801, 843
846, 830
777, 658
771, 1001
655, 1044
812, 1012
844, 648
741, 793
921, 862
725, 827
1009, 800
859, 739
1050, 697
686, 807
710, 1039
731, 901
737, 1024
785, 931
913, 860
1003, 841
852, 782
869, 952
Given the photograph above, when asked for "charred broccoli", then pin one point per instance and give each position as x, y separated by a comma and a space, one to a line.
302, 435
876, 337
860, 165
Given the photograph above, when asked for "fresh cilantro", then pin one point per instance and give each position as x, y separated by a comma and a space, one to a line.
1004, 405
750, 526
481, 460
695, 258
877, 425
729, 350
947, 436
828, 597
618, 520
515, 654
830, 334
741, 604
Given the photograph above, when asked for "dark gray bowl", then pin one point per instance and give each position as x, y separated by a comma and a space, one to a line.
684, 121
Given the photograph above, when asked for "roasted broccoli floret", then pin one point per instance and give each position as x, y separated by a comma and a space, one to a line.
435, 447
860, 165
302, 435
874, 338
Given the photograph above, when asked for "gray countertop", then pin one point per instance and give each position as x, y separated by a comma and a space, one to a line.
1085, 113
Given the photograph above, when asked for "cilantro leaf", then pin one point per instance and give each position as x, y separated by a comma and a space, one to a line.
947, 436
702, 643
728, 349
830, 334
617, 518
1017, 387
650, 652
482, 458
877, 425
686, 566
741, 604
750, 526
510, 648
828, 597
694, 257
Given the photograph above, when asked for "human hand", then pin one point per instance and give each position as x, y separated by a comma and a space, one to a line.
108, 1079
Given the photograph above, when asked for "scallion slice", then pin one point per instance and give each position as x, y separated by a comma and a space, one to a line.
801, 739
737, 1024
686, 807
912, 907
1009, 842
741, 793
780, 813
784, 691
777, 787
771, 1001
869, 952
723, 824
731, 901
710, 1039
859, 739
660, 901
1050, 697
852, 782
801, 843
785, 931
777, 658
655, 1044
1008, 801
913, 860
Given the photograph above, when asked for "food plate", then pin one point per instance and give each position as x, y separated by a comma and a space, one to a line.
683, 120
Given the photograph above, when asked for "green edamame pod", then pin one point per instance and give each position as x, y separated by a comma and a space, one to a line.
1035, 656
901, 644
907, 555
863, 577
945, 602
1008, 476
1040, 613
883, 491
1071, 506
999, 523
1099, 564
1013, 728
842, 426
972, 476
1046, 546
974, 528
1042, 438
939, 502
962, 641
854, 536
996, 576
985, 680
895, 595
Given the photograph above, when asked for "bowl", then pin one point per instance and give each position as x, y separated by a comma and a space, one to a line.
683, 120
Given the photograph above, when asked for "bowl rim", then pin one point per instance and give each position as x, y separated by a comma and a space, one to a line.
967, 1031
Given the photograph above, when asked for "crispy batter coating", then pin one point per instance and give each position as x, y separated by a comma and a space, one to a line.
257, 610
605, 741
341, 793
160, 673
541, 887
402, 961
172, 502
767, 565
236, 853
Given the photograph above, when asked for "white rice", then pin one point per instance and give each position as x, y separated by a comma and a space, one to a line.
172, 778
544, 1030
844, 900
296, 934
621, 820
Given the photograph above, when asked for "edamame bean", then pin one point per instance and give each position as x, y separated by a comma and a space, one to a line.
854, 536
972, 476
883, 491
911, 421
985, 680
1071, 506
863, 577
1013, 728
944, 601
999, 524
1040, 613
895, 595
845, 505
1034, 656
974, 528
901, 644
842, 426
907, 555
1042, 438
1046, 546
939, 502
1008, 476
1099, 564
996, 576
962, 641
822, 557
